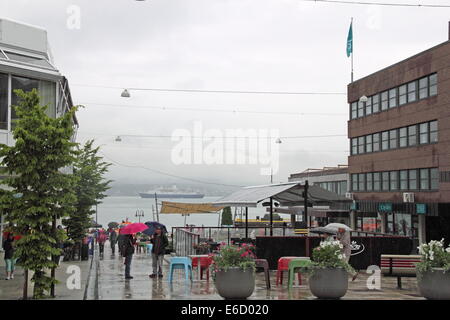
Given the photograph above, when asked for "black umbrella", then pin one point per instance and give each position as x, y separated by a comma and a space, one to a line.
113, 225
152, 226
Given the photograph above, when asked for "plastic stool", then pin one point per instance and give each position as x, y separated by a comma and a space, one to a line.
205, 262
283, 265
263, 263
149, 248
295, 264
181, 263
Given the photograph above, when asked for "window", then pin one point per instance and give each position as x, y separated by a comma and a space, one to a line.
354, 110
360, 109
403, 135
376, 181
384, 100
354, 145
433, 84
3, 101
385, 181
362, 182
424, 179
403, 179
412, 135
369, 143
385, 140
433, 131
412, 179
27, 59
361, 145
434, 179
393, 98
375, 103
354, 182
369, 106
369, 181
423, 131
412, 91
393, 139
402, 94
423, 88
393, 176
376, 142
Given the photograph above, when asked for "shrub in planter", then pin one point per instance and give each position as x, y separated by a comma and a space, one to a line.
328, 271
234, 271
433, 272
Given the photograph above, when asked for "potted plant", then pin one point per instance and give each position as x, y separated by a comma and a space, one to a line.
202, 248
328, 271
433, 271
233, 271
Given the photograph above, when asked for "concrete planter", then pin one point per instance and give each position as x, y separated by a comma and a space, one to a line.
434, 284
235, 283
329, 283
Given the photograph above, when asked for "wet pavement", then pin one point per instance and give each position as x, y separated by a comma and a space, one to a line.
113, 286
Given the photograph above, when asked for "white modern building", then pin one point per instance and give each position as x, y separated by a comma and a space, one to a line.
26, 63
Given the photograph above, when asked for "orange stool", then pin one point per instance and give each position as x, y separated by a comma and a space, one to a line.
283, 265
205, 262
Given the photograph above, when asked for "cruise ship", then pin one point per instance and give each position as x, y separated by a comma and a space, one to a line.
171, 193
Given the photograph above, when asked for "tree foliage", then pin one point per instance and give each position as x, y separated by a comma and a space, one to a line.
89, 170
38, 168
227, 217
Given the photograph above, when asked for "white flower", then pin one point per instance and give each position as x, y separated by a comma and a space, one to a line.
341, 256
448, 249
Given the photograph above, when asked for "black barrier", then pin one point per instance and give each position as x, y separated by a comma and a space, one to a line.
366, 251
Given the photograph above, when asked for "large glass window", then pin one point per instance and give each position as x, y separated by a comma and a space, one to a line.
360, 145
376, 142
385, 140
433, 131
376, 181
402, 95
423, 131
369, 106
362, 182
360, 109
412, 179
375, 103
403, 179
369, 143
423, 88
403, 137
433, 84
412, 135
354, 182
384, 100
3, 101
393, 176
354, 145
412, 91
424, 179
369, 181
354, 110
385, 180
434, 179
393, 139
393, 98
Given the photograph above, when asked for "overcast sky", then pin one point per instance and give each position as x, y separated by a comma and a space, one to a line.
243, 45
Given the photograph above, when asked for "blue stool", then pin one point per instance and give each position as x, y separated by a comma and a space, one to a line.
149, 248
181, 263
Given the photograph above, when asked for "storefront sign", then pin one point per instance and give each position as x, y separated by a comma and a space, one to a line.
385, 207
421, 208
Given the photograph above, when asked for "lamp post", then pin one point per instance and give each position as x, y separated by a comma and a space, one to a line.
139, 214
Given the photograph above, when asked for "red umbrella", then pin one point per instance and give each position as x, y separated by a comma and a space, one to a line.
133, 228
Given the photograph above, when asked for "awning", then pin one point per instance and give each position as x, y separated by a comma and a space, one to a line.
188, 208
287, 194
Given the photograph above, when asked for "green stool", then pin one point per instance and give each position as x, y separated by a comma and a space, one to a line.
295, 264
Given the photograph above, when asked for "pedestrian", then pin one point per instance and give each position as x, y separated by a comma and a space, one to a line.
59, 245
127, 253
8, 246
120, 242
344, 238
101, 239
160, 242
113, 240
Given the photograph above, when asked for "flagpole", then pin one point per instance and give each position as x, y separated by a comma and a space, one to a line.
353, 50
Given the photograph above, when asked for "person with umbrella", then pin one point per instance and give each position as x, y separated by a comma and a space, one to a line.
160, 242
128, 244
113, 240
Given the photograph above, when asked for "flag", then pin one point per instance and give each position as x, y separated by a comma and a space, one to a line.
350, 40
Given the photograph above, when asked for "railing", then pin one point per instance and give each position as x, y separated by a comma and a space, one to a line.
184, 241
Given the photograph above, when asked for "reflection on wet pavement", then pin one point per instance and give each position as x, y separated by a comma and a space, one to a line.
113, 286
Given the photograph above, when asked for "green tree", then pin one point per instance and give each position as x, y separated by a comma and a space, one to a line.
38, 168
227, 217
89, 170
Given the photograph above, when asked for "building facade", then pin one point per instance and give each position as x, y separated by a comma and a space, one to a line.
26, 63
399, 131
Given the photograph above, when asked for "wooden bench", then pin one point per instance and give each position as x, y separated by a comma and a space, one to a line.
394, 265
